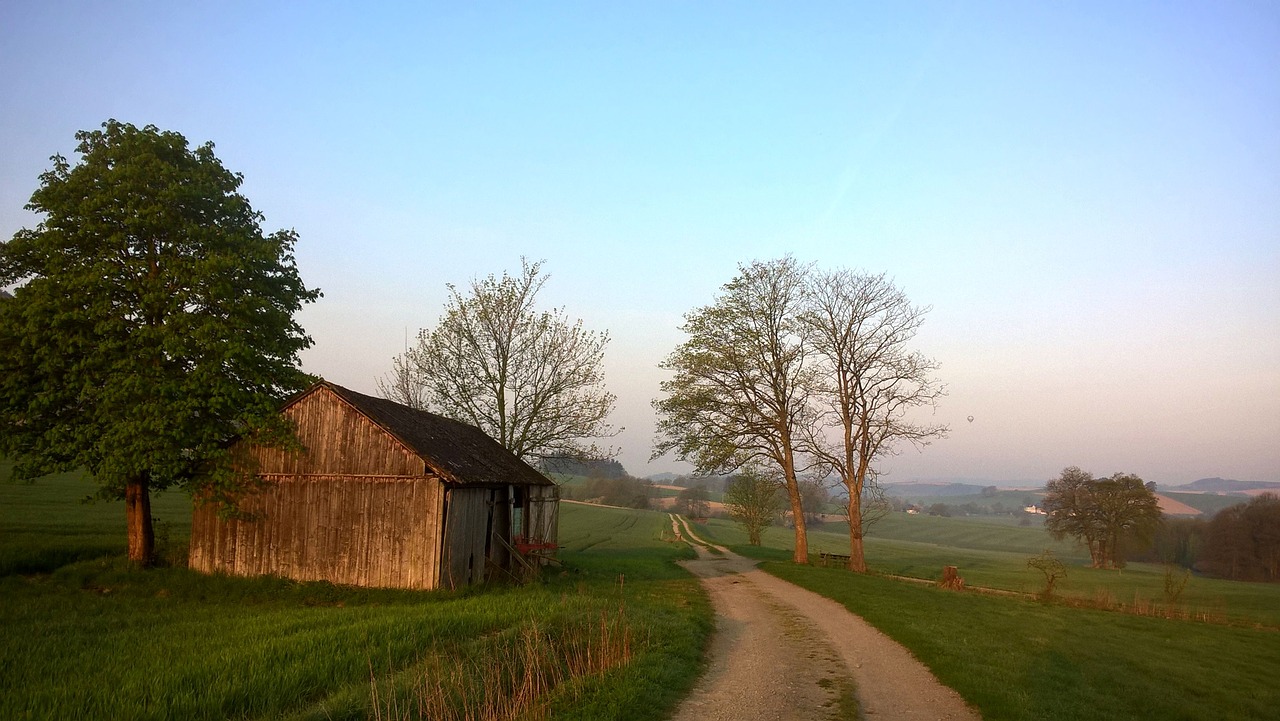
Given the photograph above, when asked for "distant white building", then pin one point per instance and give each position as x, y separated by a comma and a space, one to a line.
1034, 509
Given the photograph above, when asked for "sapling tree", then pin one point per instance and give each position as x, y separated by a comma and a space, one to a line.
754, 501
1052, 569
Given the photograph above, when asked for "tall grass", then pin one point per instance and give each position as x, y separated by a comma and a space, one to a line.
513, 675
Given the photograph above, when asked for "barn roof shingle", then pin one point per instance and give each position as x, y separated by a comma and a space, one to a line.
458, 452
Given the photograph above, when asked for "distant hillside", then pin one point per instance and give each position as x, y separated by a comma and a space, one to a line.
1224, 485
564, 465
933, 490
1207, 503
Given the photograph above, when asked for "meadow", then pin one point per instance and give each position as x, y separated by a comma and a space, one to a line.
992, 553
616, 632
1087, 654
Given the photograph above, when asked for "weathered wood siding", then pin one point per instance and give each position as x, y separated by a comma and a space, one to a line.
340, 440
544, 513
355, 530
359, 507
355, 507
466, 535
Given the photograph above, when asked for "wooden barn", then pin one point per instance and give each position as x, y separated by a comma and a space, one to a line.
384, 495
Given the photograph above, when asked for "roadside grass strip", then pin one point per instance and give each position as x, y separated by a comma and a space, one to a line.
1021, 659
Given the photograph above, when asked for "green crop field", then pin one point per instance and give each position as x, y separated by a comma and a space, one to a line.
617, 632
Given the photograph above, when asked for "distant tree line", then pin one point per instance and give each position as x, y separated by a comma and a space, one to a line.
1241, 542
624, 491
589, 467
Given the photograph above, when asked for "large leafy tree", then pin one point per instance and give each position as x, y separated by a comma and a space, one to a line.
737, 395
152, 321
531, 379
867, 384
1103, 513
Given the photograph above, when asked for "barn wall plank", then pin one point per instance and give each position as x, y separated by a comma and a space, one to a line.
346, 530
339, 440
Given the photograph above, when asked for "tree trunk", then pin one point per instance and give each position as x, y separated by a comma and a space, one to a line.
857, 559
801, 554
142, 539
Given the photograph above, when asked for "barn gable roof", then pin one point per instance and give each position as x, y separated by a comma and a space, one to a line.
456, 451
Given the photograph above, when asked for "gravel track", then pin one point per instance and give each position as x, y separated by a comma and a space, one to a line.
783, 652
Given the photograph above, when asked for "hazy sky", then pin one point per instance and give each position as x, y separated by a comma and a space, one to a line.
1087, 194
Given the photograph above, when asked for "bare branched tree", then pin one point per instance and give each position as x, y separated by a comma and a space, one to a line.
737, 395
866, 383
533, 380
403, 384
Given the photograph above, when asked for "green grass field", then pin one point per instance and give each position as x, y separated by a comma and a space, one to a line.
991, 553
1018, 658
618, 632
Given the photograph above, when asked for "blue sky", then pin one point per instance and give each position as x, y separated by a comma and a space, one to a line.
1087, 194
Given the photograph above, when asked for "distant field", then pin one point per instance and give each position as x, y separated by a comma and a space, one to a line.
1010, 500
1018, 658
619, 625
1206, 503
48, 524
992, 553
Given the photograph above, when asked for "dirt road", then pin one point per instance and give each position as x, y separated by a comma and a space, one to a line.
782, 652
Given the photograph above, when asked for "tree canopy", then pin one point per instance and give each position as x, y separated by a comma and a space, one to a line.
738, 391
531, 379
1103, 514
1243, 541
152, 321
694, 502
792, 367
867, 381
